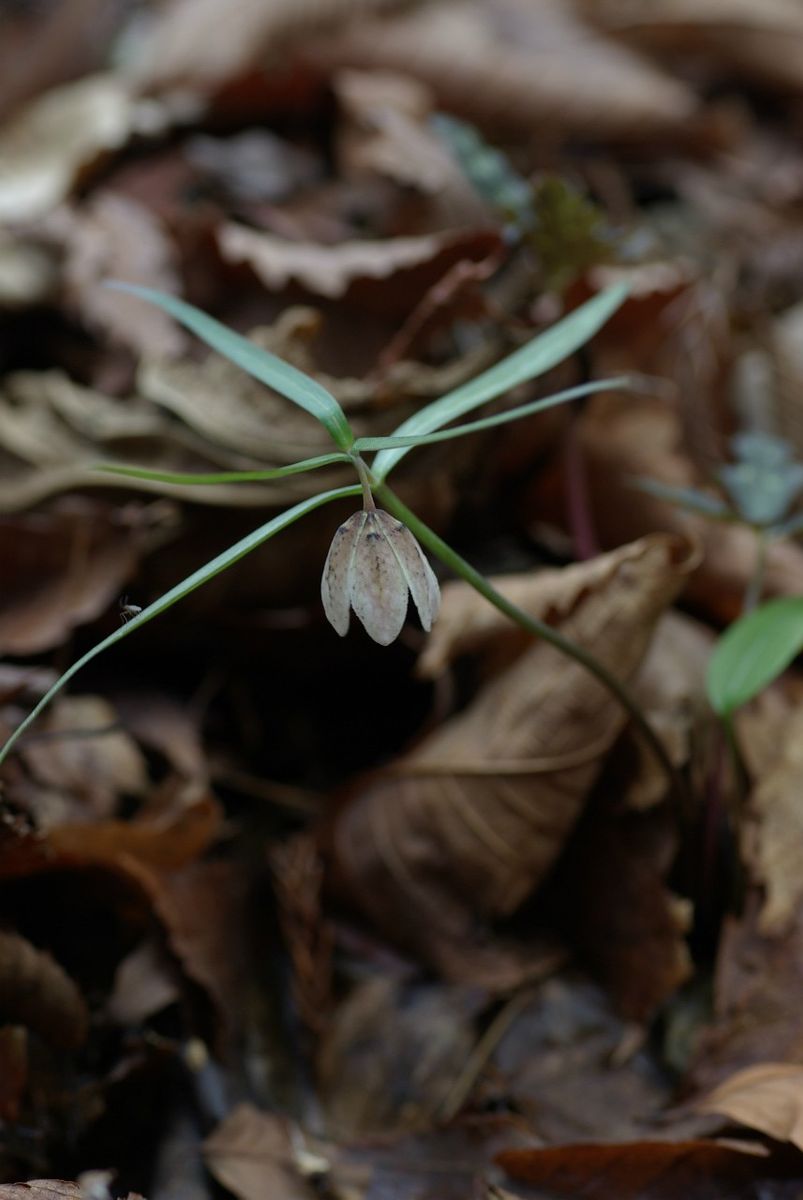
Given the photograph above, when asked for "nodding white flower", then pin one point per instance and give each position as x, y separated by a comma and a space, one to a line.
372, 564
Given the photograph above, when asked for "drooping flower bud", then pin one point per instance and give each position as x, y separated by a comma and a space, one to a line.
372, 564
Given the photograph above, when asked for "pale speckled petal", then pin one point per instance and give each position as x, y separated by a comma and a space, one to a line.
417, 572
337, 571
377, 585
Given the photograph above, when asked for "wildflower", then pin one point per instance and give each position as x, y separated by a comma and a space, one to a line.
372, 564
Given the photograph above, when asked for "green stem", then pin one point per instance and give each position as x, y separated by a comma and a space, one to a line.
538, 628
755, 585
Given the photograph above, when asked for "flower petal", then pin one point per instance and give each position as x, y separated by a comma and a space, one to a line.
418, 573
337, 570
377, 585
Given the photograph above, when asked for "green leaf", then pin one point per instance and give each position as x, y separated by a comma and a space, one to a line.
308, 464
199, 577
539, 355
512, 414
753, 652
307, 393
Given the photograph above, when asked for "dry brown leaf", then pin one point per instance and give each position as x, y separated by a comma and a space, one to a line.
767, 1097
79, 765
467, 825
203, 911
628, 926
114, 237
36, 991
57, 138
61, 568
253, 1155
392, 1053
560, 1065
384, 133
331, 270
758, 984
518, 63
41, 1189
760, 41
639, 1170
773, 831
203, 43
165, 842
58, 1189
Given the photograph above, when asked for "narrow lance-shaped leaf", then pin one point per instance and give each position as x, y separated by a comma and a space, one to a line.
304, 391
307, 464
199, 577
541, 354
512, 414
753, 652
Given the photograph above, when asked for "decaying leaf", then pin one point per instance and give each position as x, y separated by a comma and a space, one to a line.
254, 1155
114, 237
203, 43
36, 991
768, 1097
330, 270
773, 831
763, 42
637, 1170
756, 999
516, 63
560, 1064
387, 134
57, 138
64, 567
467, 825
79, 766
392, 1054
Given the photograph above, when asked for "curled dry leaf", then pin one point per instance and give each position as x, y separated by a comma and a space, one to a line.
386, 134
768, 1097
36, 991
467, 825
331, 270
516, 63
773, 831
114, 237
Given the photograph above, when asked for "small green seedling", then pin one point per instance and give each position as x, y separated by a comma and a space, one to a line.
565, 231
758, 489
